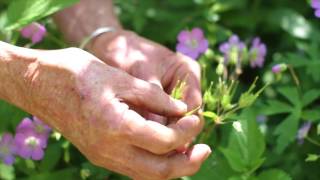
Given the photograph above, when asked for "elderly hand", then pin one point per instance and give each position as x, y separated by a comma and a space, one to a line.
88, 102
149, 61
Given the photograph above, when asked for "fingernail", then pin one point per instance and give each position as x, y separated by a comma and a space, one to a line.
181, 105
207, 155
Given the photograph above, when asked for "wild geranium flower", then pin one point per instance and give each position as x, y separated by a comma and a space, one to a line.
257, 53
316, 5
34, 31
192, 43
303, 132
31, 138
278, 68
232, 50
7, 149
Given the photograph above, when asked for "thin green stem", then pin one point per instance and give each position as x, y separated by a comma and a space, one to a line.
312, 141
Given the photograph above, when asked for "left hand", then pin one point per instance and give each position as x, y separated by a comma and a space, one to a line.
151, 62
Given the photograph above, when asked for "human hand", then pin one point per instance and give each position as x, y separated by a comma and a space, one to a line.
88, 102
149, 61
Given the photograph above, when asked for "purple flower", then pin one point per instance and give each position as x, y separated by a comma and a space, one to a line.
31, 138
278, 68
258, 52
233, 50
192, 43
34, 31
303, 131
7, 149
316, 5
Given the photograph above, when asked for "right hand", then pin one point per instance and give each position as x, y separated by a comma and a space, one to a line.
88, 102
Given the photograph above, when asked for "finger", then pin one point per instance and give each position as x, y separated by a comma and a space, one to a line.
191, 161
189, 70
168, 167
152, 97
155, 137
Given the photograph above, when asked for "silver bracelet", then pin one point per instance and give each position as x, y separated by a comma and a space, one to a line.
95, 34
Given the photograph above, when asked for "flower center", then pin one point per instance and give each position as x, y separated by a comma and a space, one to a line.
193, 43
254, 55
32, 141
234, 55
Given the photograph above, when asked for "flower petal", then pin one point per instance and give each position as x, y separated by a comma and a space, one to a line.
9, 160
197, 33
315, 4
184, 36
37, 154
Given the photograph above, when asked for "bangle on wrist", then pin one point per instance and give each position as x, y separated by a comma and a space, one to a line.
95, 34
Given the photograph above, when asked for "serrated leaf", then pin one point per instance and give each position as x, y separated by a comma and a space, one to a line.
23, 12
246, 144
286, 132
291, 94
310, 96
274, 174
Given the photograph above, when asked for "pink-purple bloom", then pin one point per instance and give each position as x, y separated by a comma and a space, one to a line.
315, 4
31, 138
278, 68
303, 131
34, 31
192, 43
7, 149
258, 52
233, 50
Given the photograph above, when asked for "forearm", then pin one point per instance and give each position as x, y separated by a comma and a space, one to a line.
82, 19
15, 63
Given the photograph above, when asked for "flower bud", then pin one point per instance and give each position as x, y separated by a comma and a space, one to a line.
220, 69
279, 68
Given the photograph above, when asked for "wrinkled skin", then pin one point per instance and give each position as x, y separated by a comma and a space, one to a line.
88, 102
151, 62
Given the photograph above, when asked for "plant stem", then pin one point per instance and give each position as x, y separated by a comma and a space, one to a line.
313, 141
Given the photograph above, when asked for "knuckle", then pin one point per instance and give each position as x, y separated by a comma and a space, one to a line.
167, 144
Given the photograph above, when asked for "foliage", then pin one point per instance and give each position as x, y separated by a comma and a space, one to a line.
244, 148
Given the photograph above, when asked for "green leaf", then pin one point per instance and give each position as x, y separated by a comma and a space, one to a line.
310, 96
10, 116
291, 94
276, 107
52, 156
246, 144
215, 167
67, 173
23, 12
312, 157
311, 115
274, 174
286, 131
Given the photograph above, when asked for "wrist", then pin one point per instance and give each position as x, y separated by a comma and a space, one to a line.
15, 63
